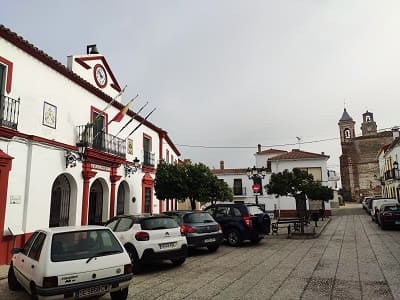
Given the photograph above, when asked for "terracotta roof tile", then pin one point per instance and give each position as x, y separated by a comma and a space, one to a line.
297, 154
272, 151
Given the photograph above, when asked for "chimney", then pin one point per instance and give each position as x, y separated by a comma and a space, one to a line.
221, 164
395, 132
259, 148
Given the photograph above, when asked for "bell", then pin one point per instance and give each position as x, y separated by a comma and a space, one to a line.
92, 49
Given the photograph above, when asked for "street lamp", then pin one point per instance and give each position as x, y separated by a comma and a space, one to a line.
131, 168
256, 174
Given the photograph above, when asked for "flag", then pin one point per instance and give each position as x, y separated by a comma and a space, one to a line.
118, 117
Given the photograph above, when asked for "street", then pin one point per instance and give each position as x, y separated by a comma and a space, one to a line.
352, 259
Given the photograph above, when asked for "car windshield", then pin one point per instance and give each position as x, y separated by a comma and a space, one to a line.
83, 245
254, 210
157, 223
202, 217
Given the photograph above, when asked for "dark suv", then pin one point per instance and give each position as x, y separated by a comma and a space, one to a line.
241, 221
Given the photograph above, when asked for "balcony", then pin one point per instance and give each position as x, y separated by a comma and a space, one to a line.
393, 174
101, 141
239, 191
148, 159
9, 112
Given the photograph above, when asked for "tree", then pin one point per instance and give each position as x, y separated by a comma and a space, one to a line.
297, 184
187, 181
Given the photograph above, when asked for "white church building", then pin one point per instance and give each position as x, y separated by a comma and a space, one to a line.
65, 156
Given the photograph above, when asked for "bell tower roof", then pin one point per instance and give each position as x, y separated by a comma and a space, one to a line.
346, 116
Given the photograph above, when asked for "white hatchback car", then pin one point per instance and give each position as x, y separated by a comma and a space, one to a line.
150, 238
71, 262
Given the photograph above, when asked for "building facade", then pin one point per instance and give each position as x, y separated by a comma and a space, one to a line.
389, 168
274, 161
71, 150
359, 169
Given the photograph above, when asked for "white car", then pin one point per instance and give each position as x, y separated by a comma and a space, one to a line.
71, 262
150, 238
377, 203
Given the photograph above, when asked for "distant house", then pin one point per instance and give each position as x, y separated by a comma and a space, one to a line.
274, 161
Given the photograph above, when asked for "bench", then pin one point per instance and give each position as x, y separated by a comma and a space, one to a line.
294, 223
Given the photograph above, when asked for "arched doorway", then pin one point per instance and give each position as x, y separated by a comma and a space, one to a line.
60, 202
95, 216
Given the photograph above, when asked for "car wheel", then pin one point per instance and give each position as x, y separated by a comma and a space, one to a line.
233, 237
120, 295
213, 248
13, 283
178, 261
34, 295
136, 266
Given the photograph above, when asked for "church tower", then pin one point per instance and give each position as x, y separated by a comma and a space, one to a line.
368, 126
346, 127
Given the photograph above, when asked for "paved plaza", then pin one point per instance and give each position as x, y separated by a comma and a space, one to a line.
351, 259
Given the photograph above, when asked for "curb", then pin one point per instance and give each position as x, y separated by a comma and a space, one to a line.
309, 235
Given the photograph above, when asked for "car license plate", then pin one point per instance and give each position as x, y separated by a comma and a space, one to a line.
210, 240
94, 290
167, 245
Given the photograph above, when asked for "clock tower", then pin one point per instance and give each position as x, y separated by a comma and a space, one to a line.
368, 126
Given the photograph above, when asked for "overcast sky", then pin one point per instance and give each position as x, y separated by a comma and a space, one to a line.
235, 74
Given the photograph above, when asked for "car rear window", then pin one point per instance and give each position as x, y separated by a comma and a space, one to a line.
83, 244
254, 210
197, 218
158, 223
392, 208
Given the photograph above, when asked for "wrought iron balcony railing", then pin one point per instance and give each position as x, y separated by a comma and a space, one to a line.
99, 140
148, 159
9, 112
393, 174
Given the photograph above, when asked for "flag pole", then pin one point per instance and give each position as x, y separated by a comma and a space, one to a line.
132, 118
111, 102
140, 124
104, 127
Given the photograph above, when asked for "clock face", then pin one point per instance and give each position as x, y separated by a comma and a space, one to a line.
100, 76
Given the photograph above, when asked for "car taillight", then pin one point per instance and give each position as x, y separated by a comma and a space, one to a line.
142, 236
49, 282
219, 228
387, 214
128, 269
187, 229
248, 221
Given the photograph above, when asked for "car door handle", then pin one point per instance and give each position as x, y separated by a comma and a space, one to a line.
23, 260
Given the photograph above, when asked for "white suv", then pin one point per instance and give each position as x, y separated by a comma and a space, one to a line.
71, 262
150, 238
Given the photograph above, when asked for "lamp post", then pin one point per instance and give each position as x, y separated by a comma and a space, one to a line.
256, 174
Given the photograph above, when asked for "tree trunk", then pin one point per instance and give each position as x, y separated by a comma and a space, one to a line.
301, 208
193, 204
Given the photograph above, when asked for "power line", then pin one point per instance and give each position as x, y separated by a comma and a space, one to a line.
252, 147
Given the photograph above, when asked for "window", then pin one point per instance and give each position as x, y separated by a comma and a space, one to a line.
2, 79
158, 223
29, 243
147, 200
37, 246
347, 133
124, 224
148, 157
237, 187
98, 130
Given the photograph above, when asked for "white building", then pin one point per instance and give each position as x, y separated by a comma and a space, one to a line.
274, 161
63, 161
388, 159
